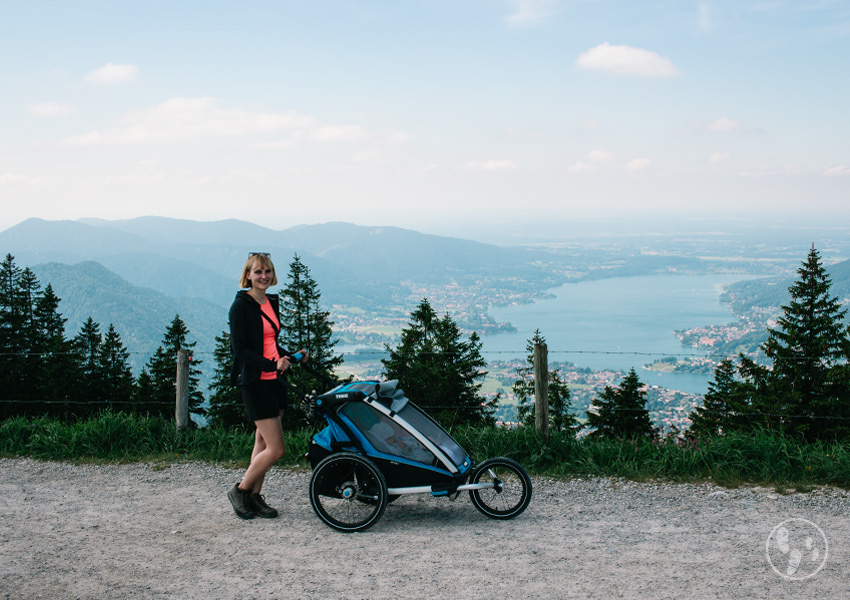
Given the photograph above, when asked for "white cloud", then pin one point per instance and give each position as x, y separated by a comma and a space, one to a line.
625, 60
837, 171
531, 11
601, 156
596, 161
13, 178
722, 125
50, 109
718, 157
492, 165
399, 137
581, 167
186, 118
637, 164
112, 74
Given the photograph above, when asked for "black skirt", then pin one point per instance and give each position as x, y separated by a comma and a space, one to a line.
264, 399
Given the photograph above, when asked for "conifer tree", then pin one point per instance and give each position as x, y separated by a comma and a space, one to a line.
304, 324
560, 417
439, 370
226, 408
726, 405
12, 339
57, 377
87, 348
49, 321
117, 378
807, 388
29, 293
621, 412
144, 392
523, 387
162, 368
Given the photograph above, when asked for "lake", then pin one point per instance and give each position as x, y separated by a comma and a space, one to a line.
618, 323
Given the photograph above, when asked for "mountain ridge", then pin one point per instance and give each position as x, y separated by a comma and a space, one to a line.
353, 264
140, 315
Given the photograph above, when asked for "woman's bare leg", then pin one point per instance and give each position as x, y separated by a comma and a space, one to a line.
269, 447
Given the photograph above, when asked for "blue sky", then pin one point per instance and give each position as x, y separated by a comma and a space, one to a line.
424, 114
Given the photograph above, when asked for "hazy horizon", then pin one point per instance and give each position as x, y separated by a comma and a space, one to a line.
582, 228
436, 116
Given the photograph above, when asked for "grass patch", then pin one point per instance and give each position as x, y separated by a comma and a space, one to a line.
121, 437
731, 460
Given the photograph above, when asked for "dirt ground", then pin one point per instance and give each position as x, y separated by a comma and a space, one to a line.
168, 531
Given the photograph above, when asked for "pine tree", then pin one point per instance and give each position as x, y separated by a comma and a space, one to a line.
12, 333
29, 293
621, 412
144, 393
50, 323
117, 378
560, 417
303, 324
523, 387
57, 377
226, 408
438, 370
810, 348
162, 368
726, 405
87, 348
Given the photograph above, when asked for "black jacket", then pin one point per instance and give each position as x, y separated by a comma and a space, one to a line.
246, 339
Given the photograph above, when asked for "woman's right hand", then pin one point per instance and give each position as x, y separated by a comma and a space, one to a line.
283, 363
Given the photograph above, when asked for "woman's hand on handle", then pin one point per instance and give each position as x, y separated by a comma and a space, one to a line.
284, 362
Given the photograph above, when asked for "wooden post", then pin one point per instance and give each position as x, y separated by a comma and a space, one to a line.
181, 408
541, 390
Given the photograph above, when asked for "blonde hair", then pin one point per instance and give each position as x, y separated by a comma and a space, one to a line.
254, 258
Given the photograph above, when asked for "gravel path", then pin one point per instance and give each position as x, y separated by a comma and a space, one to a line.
154, 531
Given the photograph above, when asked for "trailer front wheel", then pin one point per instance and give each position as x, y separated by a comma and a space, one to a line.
348, 492
510, 492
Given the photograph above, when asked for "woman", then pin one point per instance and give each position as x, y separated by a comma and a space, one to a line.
257, 361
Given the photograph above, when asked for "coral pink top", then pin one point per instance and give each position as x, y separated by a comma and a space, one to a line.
269, 339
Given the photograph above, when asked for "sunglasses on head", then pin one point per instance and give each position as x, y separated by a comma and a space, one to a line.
250, 254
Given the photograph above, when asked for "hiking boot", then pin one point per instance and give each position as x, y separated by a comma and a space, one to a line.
261, 509
241, 501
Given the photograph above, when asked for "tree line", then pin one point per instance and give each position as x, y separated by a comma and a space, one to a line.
803, 389
44, 371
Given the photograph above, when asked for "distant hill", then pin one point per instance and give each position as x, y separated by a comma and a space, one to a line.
140, 315
354, 265
773, 291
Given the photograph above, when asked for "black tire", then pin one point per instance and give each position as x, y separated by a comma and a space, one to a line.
348, 492
512, 491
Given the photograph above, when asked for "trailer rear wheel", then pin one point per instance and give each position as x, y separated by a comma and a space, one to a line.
511, 491
348, 492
